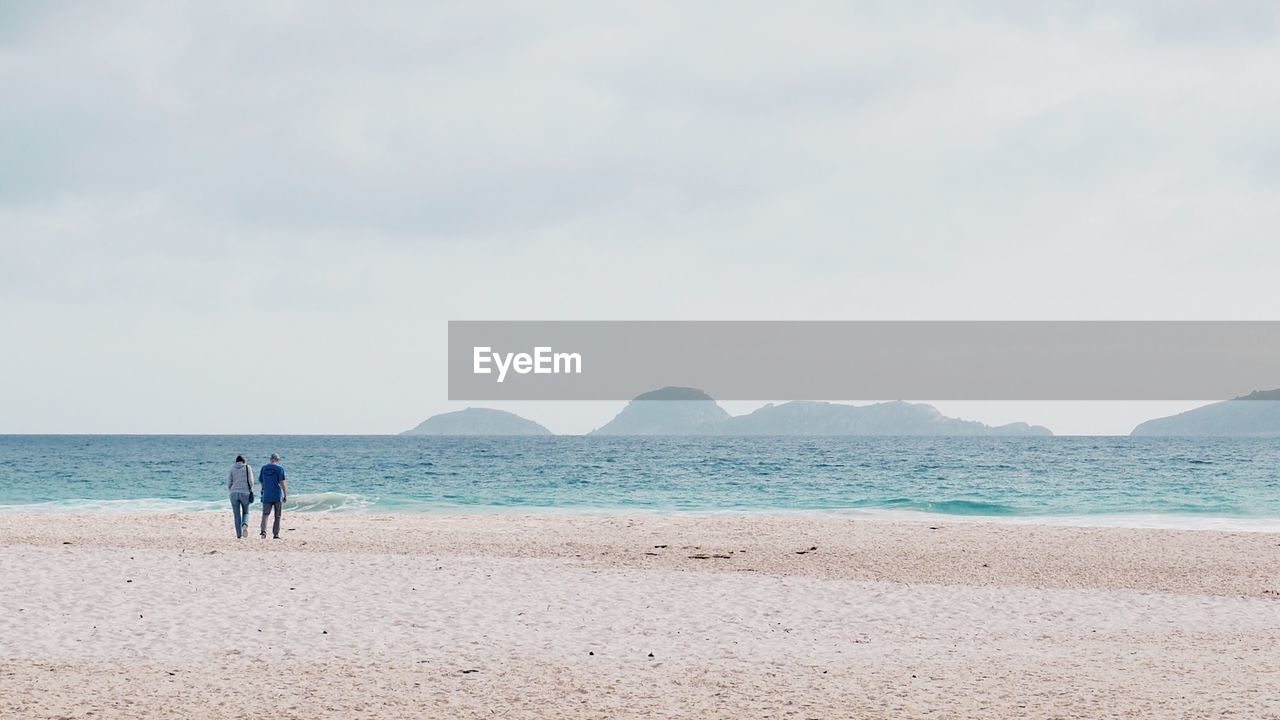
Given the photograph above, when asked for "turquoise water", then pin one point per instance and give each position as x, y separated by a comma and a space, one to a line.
1195, 480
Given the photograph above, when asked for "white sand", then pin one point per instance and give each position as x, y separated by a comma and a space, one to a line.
162, 616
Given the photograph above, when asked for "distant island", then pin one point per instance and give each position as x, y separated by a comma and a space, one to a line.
1254, 415
688, 411
477, 421
886, 418
669, 411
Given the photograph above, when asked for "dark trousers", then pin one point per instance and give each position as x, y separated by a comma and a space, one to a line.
267, 507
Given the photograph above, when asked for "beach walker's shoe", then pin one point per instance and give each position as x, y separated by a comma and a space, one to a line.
264, 535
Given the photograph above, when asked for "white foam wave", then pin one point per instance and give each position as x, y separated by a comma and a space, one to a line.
302, 502
141, 505
1153, 521
328, 502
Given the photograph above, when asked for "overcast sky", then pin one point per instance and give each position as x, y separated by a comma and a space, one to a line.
258, 217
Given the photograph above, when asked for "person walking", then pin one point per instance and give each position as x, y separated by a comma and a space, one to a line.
274, 495
240, 487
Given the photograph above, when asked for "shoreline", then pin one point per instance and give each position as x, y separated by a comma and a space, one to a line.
631, 616
361, 507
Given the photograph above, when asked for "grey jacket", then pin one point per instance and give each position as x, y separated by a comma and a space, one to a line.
240, 480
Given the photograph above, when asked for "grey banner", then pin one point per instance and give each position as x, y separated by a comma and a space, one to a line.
857, 360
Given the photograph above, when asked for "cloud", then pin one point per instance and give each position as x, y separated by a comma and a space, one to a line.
322, 163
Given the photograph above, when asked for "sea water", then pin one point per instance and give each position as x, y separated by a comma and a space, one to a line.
1227, 483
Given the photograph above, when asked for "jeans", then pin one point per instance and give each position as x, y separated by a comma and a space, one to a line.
240, 509
267, 508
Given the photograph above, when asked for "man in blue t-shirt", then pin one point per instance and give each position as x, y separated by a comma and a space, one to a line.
274, 494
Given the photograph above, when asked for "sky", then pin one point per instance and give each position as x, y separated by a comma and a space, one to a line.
259, 217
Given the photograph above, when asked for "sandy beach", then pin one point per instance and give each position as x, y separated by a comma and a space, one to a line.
807, 616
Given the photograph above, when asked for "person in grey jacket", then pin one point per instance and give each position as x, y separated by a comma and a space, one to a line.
240, 485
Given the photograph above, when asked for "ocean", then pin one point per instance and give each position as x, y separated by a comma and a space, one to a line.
1176, 482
